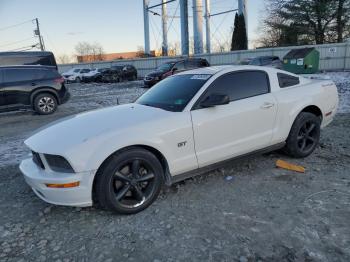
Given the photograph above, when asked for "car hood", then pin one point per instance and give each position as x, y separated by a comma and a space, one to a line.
65, 134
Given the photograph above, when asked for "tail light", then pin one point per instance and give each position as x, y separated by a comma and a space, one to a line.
59, 80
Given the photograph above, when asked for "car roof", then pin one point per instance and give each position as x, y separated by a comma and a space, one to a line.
212, 70
41, 67
266, 56
28, 53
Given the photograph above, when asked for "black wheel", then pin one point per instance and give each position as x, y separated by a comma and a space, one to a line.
134, 77
78, 80
45, 104
304, 135
130, 181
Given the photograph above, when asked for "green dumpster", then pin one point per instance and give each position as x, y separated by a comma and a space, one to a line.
302, 61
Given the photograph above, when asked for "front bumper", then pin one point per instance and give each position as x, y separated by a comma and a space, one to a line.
149, 83
37, 178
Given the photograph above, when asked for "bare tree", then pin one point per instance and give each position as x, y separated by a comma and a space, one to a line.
63, 59
87, 52
140, 51
174, 49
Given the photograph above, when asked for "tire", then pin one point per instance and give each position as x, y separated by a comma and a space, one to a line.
77, 80
134, 78
304, 135
45, 104
130, 181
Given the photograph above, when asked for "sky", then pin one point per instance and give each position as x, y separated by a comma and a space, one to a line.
115, 24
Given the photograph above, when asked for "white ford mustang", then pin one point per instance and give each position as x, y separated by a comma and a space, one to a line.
119, 157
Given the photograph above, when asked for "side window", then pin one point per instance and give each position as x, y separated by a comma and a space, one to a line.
1, 78
18, 75
285, 80
180, 65
241, 85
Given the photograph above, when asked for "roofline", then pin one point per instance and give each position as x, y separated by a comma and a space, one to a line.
28, 66
25, 52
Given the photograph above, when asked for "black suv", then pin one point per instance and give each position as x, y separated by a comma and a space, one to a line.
120, 73
41, 88
173, 67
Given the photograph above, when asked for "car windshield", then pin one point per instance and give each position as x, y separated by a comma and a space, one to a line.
165, 67
173, 93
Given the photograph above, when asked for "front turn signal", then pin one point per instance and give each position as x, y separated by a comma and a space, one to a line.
68, 185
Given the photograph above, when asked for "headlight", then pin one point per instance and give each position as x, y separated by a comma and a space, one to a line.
58, 164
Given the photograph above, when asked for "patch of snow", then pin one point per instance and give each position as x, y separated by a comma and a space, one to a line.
342, 81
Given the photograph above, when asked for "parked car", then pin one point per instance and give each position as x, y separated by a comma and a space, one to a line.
101, 75
37, 87
245, 61
94, 75
174, 67
270, 61
28, 58
75, 75
186, 124
120, 73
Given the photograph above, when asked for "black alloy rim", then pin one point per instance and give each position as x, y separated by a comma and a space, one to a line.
133, 183
307, 136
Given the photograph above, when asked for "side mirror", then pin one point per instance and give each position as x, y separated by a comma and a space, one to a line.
215, 100
174, 69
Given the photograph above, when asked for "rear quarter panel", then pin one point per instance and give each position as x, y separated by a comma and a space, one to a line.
292, 100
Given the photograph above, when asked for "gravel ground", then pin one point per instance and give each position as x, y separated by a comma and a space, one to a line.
246, 211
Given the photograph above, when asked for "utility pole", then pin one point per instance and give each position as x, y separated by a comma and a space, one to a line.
207, 25
165, 29
37, 32
146, 26
184, 27
198, 26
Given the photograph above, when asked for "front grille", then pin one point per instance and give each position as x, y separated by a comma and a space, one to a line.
37, 160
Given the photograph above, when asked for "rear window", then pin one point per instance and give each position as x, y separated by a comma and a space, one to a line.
285, 80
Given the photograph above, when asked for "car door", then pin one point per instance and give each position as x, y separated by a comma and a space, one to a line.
243, 125
18, 84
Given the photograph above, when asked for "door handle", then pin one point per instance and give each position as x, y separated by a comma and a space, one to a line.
267, 105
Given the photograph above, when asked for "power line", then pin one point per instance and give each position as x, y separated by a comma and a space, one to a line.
15, 25
16, 42
25, 48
